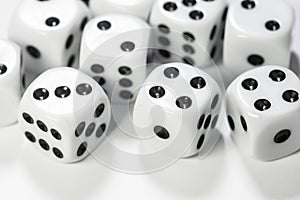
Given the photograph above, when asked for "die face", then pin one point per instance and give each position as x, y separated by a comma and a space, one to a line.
193, 43
49, 19
10, 81
164, 111
251, 32
132, 7
258, 115
115, 54
67, 111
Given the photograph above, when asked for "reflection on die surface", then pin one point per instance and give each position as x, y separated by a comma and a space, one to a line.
65, 113
263, 112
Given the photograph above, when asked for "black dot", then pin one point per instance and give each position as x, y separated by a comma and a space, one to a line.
125, 82
214, 122
104, 25
98, 69
248, 4
189, 3
213, 52
213, 32
161, 132
200, 141
82, 149
83, 23
42, 126
184, 102
225, 14
164, 53
256, 60
272, 25
282, 136
62, 92
170, 6
80, 128
28, 118
126, 95
57, 153
188, 49
3, 69
99, 110
24, 81
52, 22
84, 89
157, 92
55, 134
163, 29
207, 122
100, 80
196, 15
100, 130
41, 94
250, 84
90, 129
290, 96
30, 137
124, 70
262, 104
44, 145
215, 102
198, 82
188, 37
171, 72
87, 2
188, 60
277, 75
69, 41
200, 121
71, 61
244, 123
34, 52
231, 122
164, 41
127, 46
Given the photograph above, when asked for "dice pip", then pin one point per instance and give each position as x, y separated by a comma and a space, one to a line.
65, 113
115, 53
177, 108
49, 36
258, 33
12, 81
187, 30
263, 112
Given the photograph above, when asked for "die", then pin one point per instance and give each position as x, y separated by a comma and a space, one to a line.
115, 54
187, 30
12, 81
48, 35
65, 114
264, 121
258, 33
131, 7
177, 109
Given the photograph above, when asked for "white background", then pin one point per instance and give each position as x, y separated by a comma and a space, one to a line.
224, 174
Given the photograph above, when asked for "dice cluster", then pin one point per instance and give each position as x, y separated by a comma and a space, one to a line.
96, 54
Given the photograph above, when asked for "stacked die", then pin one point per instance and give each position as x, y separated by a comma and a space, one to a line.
115, 54
49, 36
187, 30
257, 33
177, 108
65, 113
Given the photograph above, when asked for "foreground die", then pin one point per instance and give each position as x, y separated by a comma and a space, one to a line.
49, 36
132, 7
65, 114
115, 53
11, 81
177, 108
188, 30
258, 32
263, 112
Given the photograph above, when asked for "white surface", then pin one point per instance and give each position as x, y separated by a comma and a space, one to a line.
224, 174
